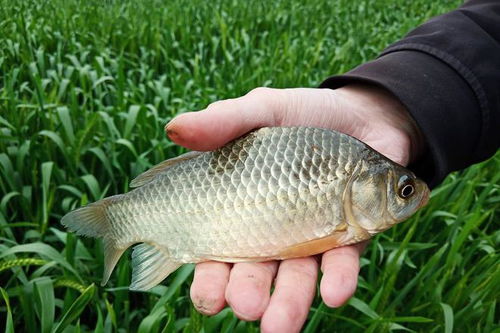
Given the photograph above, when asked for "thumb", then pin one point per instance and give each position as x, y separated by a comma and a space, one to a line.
225, 120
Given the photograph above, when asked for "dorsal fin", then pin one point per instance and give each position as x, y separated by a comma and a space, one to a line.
150, 174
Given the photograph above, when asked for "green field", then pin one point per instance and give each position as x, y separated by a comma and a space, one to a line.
85, 90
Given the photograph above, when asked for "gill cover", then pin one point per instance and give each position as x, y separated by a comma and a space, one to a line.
368, 201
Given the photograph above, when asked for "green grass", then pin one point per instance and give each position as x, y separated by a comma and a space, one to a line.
85, 89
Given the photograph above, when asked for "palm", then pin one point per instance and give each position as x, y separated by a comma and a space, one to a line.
368, 114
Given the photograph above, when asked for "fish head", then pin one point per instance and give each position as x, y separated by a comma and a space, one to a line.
406, 194
384, 196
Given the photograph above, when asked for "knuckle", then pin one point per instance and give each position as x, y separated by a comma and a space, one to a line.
270, 102
269, 268
294, 311
215, 105
350, 254
261, 91
307, 267
260, 275
287, 318
230, 103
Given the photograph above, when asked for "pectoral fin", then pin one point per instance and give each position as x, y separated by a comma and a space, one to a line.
150, 265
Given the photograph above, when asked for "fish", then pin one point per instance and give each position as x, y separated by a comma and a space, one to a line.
275, 193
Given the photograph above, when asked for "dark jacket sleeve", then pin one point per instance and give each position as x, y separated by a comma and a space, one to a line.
447, 74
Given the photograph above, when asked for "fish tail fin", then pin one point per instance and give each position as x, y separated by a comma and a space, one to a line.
92, 221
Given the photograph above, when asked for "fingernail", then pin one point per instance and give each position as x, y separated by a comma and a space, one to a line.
171, 132
168, 125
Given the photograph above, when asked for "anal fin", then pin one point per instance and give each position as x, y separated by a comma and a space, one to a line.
111, 256
150, 265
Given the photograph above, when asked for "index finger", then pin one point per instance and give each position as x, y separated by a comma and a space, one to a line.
224, 121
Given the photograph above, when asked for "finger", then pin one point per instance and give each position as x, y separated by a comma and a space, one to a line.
209, 285
249, 288
225, 120
292, 297
340, 268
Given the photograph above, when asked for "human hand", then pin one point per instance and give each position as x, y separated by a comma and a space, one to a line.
368, 113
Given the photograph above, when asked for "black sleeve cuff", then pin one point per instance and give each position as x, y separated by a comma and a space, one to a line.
433, 93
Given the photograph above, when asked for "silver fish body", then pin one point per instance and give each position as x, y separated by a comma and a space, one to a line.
275, 193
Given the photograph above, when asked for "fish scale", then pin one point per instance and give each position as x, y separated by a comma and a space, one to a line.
274, 193
261, 209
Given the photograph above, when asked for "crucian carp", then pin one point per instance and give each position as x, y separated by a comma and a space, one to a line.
275, 193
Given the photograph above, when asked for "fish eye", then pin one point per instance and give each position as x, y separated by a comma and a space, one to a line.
406, 187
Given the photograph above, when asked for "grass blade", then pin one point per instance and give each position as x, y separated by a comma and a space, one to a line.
363, 307
65, 118
448, 317
75, 309
46, 195
43, 250
45, 302
180, 276
133, 111
9, 324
